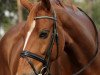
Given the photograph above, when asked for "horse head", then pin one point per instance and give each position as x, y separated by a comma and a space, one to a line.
42, 41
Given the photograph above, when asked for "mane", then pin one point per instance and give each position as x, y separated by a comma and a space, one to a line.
59, 2
63, 3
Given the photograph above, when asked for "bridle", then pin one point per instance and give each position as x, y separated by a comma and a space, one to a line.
46, 60
54, 38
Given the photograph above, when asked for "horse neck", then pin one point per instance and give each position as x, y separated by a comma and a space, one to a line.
83, 45
78, 33
61, 66
99, 38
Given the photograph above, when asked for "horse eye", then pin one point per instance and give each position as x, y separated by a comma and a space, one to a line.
43, 34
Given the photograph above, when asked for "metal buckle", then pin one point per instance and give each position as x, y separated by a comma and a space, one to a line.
43, 71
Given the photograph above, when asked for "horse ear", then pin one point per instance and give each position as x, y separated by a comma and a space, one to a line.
47, 4
28, 5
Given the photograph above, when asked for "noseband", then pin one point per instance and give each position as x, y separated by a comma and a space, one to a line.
46, 60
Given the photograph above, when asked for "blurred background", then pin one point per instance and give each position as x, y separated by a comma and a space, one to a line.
11, 12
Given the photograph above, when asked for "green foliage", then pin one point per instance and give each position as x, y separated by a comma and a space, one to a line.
11, 7
96, 13
25, 14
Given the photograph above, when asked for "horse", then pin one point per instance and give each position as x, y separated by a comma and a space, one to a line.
55, 40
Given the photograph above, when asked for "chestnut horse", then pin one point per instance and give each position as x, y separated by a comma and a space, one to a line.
57, 39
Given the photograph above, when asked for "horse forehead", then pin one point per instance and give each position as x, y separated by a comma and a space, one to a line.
44, 23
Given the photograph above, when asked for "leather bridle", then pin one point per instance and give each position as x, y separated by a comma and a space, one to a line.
54, 38
46, 61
